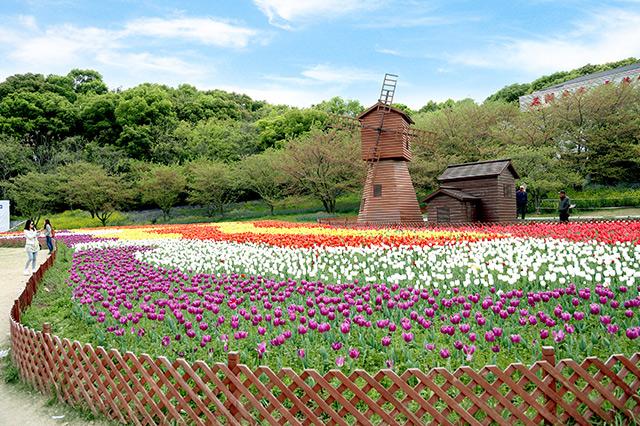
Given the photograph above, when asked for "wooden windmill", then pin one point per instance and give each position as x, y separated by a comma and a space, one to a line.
388, 196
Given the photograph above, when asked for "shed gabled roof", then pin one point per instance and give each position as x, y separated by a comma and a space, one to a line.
380, 104
479, 169
453, 193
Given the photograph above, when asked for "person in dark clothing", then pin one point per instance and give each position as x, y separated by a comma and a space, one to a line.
563, 207
521, 201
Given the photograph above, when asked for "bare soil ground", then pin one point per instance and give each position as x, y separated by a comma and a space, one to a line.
18, 405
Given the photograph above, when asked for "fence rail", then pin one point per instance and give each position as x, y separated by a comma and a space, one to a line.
139, 389
352, 222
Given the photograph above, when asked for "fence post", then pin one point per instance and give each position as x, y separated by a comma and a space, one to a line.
233, 358
549, 355
45, 380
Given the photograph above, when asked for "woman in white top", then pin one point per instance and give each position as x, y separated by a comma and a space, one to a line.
32, 246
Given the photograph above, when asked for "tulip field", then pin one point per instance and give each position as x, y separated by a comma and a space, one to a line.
308, 295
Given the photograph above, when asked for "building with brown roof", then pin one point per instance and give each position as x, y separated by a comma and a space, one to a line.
483, 191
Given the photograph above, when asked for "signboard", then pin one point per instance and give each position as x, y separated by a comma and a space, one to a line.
4, 216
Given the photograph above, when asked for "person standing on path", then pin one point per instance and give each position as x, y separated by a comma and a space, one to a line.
521, 202
563, 207
31, 246
49, 233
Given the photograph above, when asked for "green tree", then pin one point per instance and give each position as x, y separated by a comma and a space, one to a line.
324, 165
23, 83
510, 93
217, 140
404, 108
211, 185
144, 112
15, 159
33, 115
91, 188
339, 106
542, 171
87, 81
136, 141
145, 104
33, 193
465, 131
276, 128
97, 115
163, 187
262, 174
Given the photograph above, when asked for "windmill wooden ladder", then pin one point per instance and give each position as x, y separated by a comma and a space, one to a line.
385, 100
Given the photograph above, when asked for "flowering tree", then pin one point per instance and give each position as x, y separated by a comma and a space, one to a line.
163, 187
261, 173
324, 165
212, 185
90, 187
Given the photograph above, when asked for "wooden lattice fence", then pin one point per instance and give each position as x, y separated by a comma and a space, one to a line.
139, 389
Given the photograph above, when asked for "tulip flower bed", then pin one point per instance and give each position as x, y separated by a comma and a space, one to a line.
293, 295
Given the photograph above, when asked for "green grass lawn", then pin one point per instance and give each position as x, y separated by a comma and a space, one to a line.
293, 209
606, 213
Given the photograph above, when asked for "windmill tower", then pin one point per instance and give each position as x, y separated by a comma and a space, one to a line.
388, 196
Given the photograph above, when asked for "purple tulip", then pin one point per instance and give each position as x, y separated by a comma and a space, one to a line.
558, 336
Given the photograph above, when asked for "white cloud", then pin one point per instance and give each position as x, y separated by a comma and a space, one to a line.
340, 75
207, 31
282, 94
145, 62
117, 52
413, 19
314, 84
282, 13
606, 36
386, 51
61, 44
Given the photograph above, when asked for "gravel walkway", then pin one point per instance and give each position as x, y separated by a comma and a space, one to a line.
18, 406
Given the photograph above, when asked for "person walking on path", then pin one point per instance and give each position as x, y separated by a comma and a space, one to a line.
521, 202
49, 234
563, 207
31, 246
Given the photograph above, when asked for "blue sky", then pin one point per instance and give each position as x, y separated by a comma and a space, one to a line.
299, 52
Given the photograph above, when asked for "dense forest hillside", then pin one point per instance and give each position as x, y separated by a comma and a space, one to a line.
71, 142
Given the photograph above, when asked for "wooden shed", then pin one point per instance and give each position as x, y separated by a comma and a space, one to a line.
482, 191
448, 205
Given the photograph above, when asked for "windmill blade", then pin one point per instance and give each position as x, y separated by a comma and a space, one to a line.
343, 122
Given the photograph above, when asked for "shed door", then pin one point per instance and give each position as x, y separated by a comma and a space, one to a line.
443, 215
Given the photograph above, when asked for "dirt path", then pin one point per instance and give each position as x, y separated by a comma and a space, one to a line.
18, 406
